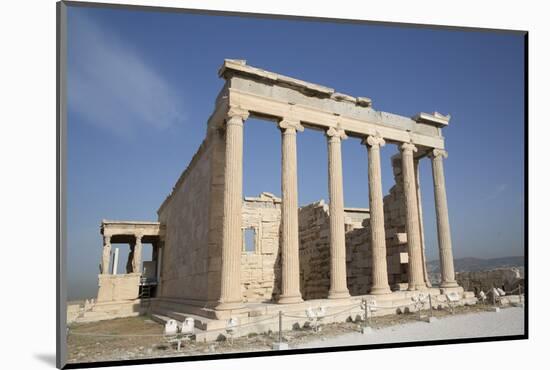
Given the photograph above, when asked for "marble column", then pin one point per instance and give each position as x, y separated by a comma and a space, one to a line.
421, 221
290, 263
442, 217
106, 255
416, 275
376, 203
115, 262
338, 282
231, 297
136, 258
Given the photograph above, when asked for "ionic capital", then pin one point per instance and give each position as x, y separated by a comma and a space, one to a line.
438, 153
336, 133
236, 115
372, 140
138, 237
290, 125
106, 239
408, 148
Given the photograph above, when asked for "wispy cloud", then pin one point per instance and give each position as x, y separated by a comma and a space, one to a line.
499, 189
111, 86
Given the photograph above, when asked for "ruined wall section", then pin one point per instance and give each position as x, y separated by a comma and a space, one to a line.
395, 214
358, 257
261, 268
507, 278
315, 250
215, 214
186, 215
395, 224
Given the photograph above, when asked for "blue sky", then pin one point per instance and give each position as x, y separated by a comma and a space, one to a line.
141, 86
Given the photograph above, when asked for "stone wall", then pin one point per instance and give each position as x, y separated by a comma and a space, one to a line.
396, 235
507, 278
186, 214
118, 287
314, 250
358, 258
261, 269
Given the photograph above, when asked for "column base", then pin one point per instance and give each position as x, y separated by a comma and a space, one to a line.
290, 299
226, 306
380, 290
420, 286
448, 284
338, 295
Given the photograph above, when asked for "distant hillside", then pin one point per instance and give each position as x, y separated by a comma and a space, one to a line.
479, 264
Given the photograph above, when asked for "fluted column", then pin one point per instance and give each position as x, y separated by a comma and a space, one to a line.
136, 260
442, 216
231, 296
376, 203
338, 282
416, 275
290, 279
106, 255
421, 221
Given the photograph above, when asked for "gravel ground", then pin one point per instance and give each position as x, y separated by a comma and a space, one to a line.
508, 321
139, 337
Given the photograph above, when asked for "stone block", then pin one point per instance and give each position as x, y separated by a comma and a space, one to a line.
366, 330
403, 257
400, 238
268, 246
278, 346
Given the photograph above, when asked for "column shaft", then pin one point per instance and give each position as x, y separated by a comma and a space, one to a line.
416, 275
230, 296
338, 282
115, 262
442, 216
290, 279
376, 203
421, 221
106, 255
136, 260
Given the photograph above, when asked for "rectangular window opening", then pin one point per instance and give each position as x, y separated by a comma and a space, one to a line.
249, 245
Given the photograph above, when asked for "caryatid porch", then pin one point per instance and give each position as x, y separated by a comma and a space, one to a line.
115, 285
295, 105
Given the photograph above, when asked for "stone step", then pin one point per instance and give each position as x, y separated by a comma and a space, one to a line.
469, 294
161, 319
174, 305
200, 334
201, 323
